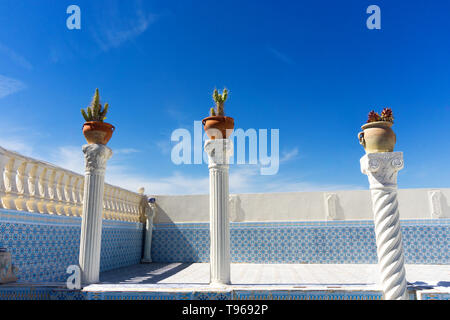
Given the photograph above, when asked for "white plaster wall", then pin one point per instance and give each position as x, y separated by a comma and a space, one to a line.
296, 206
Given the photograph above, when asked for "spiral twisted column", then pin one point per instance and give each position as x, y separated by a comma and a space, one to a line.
381, 169
96, 156
219, 152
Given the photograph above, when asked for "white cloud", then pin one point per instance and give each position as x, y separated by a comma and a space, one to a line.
68, 157
17, 145
114, 30
125, 151
289, 155
164, 146
9, 86
15, 57
280, 56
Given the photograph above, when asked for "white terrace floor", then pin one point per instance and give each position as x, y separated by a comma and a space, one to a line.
195, 276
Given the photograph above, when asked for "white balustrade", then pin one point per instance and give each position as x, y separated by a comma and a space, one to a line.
27, 184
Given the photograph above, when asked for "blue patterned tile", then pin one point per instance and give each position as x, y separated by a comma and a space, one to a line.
43, 245
424, 241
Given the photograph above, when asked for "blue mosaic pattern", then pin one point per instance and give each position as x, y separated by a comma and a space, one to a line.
433, 295
24, 293
424, 242
43, 293
43, 246
307, 295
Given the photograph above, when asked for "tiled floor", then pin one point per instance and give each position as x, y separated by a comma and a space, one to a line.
176, 276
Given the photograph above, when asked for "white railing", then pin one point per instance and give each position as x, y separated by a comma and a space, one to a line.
32, 185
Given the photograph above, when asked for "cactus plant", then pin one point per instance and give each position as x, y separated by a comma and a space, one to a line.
386, 115
94, 111
217, 119
373, 116
219, 99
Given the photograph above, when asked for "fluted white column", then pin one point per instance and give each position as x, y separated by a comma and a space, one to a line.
150, 210
219, 152
381, 169
96, 156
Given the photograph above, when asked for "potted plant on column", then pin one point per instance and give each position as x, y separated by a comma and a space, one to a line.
377, 134
217, 125
94, 129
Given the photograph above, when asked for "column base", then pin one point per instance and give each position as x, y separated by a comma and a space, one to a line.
219, 284
145, 260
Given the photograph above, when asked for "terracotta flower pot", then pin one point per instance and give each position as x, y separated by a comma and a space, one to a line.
224, 125
377, 137
97, 132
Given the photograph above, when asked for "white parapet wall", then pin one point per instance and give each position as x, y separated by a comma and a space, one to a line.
303, 206
31, 185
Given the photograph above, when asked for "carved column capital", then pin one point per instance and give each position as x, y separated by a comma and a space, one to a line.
96, 156
219, 152
382, 168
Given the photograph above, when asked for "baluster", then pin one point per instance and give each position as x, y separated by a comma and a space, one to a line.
80, 196
60, 182
68, 200
114, 203
126, 206
134, 208
75, 193
107, 202
3, 162
121, 204
43, 190
33, 187
22, 185
117, 204
52, 191
10, 183
137, 206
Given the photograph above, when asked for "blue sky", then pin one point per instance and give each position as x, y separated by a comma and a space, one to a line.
308, 68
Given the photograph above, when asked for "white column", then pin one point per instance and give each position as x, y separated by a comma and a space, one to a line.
219, 152
96, 156
381, 169
150, 210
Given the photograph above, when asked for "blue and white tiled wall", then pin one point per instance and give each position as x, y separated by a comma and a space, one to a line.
43, 245
424, 241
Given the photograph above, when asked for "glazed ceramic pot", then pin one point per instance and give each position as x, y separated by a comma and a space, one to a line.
377, 136
98, 132
222, 124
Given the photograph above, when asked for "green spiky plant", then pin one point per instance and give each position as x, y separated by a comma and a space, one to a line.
219, 100
94, 111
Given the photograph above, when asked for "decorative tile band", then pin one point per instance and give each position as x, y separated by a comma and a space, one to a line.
424, 241
48, 293
433, 295
43, 246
